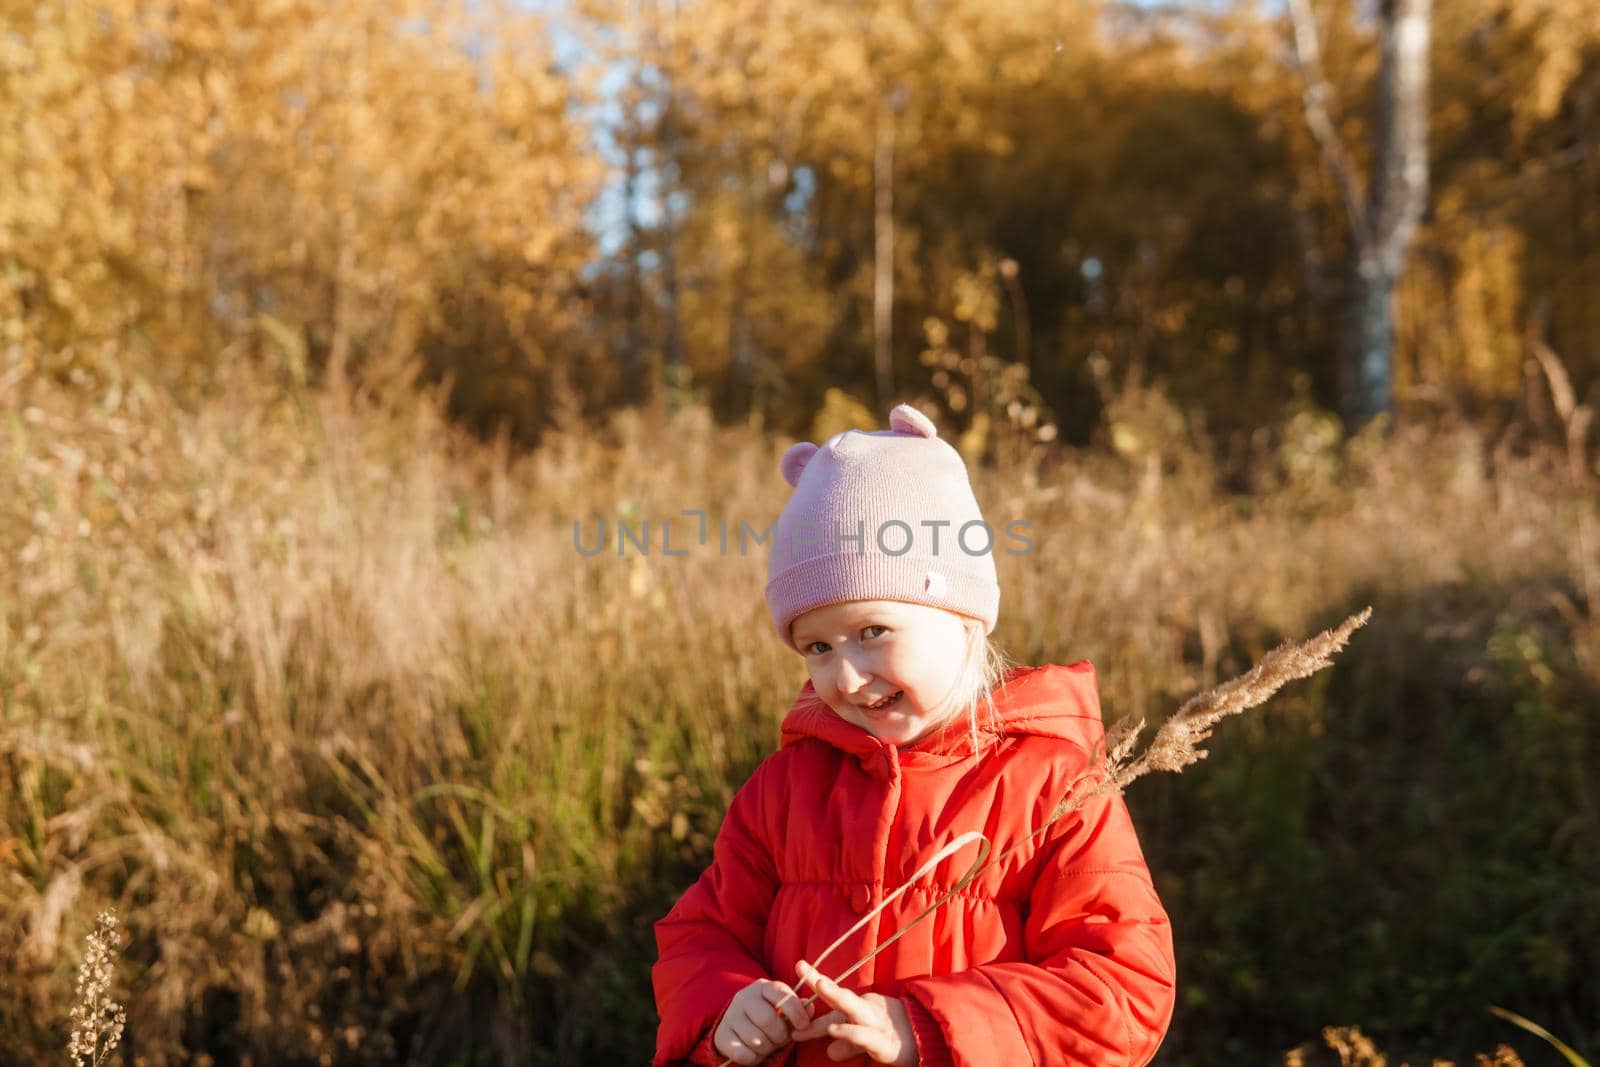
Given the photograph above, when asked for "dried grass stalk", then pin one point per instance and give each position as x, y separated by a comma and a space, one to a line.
1177, 742
96, 1017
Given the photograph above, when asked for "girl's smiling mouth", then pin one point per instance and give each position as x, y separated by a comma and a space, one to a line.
884, 706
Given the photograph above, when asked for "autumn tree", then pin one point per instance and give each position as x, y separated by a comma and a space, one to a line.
339, 188
1384, 209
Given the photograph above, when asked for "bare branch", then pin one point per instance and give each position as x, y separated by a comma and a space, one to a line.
1531, 174
1317, 94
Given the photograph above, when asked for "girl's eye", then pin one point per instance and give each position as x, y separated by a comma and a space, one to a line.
812, 648
875, 626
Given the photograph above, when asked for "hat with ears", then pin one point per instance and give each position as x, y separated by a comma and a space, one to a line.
883, 515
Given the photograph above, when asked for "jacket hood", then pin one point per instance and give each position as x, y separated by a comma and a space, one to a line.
1053, 700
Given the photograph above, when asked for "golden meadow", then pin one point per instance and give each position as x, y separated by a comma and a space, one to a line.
310, 683
320, 694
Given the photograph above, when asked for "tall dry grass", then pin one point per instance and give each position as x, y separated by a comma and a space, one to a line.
1355, 1049
97, 1020
318, 693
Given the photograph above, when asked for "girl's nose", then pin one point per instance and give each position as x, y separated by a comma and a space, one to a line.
851, 677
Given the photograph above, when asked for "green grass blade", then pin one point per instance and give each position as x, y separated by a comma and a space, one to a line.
1534, 1028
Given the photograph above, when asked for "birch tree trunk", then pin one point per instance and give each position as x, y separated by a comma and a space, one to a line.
1383, 219
1397, 194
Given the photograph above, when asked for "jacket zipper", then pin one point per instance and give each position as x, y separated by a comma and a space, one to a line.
897, 785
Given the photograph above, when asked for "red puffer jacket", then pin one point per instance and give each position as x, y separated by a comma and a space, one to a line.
1061, 955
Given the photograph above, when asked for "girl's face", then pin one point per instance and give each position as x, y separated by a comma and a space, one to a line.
861, 652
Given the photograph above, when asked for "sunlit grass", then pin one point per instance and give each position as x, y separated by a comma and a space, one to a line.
320, 695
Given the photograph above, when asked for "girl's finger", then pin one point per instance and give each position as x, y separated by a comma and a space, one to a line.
836, 996
737, 1052
787, 1001
864, 1039
818, 1027
843, 1050
771, 1023
752, 1038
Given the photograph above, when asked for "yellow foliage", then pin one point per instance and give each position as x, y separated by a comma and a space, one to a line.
840, 411
1460, 311
351, 171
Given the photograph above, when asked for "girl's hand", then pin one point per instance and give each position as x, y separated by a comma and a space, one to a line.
758, 1022
870, 1024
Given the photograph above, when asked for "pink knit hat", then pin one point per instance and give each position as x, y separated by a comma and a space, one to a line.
888, 515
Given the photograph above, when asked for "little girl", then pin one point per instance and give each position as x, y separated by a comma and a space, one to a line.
911, 731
